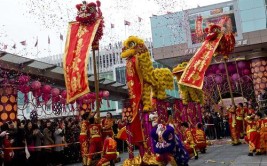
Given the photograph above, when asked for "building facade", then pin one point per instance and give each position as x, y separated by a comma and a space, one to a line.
177, 36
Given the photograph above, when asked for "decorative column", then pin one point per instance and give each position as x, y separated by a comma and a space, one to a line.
259, 74
8, 104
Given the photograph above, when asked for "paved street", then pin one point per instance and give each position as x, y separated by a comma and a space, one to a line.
222, 155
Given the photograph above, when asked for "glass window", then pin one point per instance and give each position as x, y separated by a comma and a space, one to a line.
247, 15
260, 24
259, 13
258, 3
245, 4
248, 26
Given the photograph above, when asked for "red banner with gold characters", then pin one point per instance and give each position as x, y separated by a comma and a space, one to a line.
79, 41
134, 82
193, 75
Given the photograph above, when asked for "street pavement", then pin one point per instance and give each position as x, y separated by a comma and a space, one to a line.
221, 153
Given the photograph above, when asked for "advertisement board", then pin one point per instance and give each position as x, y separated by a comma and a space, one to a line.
199, 21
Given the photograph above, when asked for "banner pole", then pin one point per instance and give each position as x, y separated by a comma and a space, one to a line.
96, 87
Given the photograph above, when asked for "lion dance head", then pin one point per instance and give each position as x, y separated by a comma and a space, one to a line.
132, 46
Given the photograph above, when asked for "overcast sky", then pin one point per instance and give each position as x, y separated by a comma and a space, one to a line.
31, 19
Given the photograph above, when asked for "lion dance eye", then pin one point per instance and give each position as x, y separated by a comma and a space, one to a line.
132, 44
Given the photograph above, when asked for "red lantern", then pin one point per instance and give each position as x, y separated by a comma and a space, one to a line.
64, 94
106, 93
23, 79
36, 85
218, 79
46, 89
246, 71
221, 66
241, 64
55, 92
45, 97
235, 77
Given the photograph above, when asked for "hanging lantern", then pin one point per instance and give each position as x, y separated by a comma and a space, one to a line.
46, 89
23, 79
235, 77
55, 92
241, 64
218, 79
246, 71
106, 93
221, 66
36, 85
25, 89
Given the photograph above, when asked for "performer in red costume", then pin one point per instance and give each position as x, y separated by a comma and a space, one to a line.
240, 120
250, 110
253, 136
232, 123
262, 127
109, 152
83, 138
95, 139
107, 124
200, 138
189, 140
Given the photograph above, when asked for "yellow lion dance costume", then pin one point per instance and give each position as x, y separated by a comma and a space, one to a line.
155, 81
188, 94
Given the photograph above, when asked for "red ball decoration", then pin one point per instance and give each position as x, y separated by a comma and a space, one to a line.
37, 93
36, 85
221, 66
23, 79
246, 71
241, 64
106, 93
232, 69
45, 97
55, 92
218, 71
24, 88
64, 94
218, 79
46, 89
235, 77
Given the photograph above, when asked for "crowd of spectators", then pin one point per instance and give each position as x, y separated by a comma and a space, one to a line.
57, 137
49, 142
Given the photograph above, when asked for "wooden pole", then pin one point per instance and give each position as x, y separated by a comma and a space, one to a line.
96, 87
219, 91
229, 82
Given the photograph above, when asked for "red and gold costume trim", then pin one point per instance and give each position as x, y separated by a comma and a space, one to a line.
135, 88
253, 136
